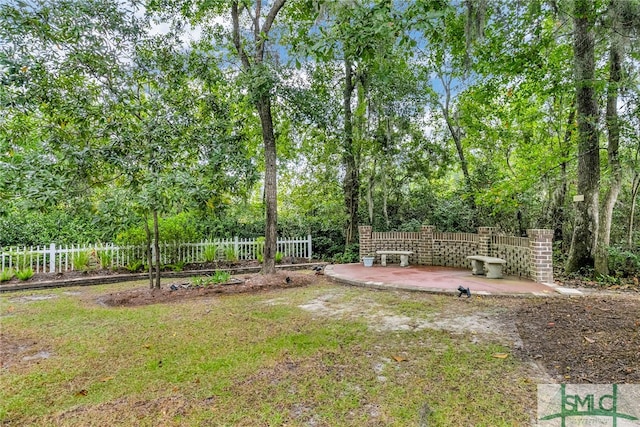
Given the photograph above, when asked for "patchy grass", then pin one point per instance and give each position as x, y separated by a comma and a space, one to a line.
321, 355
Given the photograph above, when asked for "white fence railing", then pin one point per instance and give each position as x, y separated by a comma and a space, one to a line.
57, 258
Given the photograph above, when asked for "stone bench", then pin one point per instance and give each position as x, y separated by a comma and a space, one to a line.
491, 265
404, 257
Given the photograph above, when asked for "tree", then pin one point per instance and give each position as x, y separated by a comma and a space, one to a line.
135, 109
623, 17
585, 229
253, 63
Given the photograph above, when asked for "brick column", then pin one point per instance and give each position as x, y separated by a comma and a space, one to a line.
366, 244
541, 264
484, 240
425, 245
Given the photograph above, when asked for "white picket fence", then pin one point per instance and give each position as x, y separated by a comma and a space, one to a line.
57, 258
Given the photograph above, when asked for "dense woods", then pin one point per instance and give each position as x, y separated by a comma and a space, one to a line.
292, 117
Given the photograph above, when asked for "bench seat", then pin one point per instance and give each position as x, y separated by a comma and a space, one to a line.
404, 257
491, 265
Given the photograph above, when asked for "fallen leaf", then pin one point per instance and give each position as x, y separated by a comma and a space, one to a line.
82, 392
105, 379
589, 340
500, 355
399, 359
11, 308
147, 346
551, 324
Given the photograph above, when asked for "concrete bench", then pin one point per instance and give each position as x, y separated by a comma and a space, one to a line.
491, 265
404, 257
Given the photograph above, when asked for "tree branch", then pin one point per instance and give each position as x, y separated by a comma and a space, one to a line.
236, 35
262, 37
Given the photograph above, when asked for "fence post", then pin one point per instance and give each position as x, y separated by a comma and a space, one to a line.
309, 253
52, 258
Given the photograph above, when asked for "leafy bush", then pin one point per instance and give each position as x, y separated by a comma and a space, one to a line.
221, 276
623, 263
260, 249
177, 228
80, 261
176, 266
210, 253
25, 274
218, 277
105, 258
6, 275
230, 254
135, 266
351, 254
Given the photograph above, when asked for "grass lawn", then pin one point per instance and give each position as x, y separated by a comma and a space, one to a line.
321, 355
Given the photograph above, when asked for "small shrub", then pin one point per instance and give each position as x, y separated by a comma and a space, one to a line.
279, 257
624, 263
221, 276
198, 281
210, 253
176, 266
6, 275
135, 266
217, 278
105, 258
25, 274
80, 261
230, 254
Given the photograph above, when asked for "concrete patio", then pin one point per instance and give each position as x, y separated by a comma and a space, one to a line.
439, 280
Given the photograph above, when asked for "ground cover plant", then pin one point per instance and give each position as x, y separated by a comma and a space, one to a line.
301, 352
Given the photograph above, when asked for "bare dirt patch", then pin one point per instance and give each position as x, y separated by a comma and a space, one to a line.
14, 350
460, 317
185, 290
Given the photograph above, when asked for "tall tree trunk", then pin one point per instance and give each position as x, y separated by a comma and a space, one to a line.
351, 186
385, 196
556, 214
615, 168
270, 186
370, 186
147, 250
585, 229
263, 104
635, 188
156, 234
456, 135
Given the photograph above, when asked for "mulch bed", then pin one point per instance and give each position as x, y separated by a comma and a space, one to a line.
185, 290
583, 340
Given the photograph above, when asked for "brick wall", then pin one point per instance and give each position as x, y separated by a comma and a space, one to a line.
517, 253
526, 256
540, 243
452, 249
396, 241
